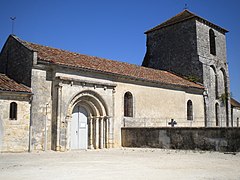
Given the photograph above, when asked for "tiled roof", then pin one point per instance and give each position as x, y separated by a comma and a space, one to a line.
66, 58
184, 15
7, 84
235, 103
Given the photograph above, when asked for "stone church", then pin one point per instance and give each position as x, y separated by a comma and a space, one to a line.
60, 100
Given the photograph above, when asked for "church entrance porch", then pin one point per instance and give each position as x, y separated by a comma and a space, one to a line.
87, 132
86, 125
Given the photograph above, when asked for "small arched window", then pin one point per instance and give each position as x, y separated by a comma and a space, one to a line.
189, 110
128, 104
13, 111
212, 42
238, 122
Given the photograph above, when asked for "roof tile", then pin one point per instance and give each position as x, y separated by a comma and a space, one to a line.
7, 84
66, 58
235, 103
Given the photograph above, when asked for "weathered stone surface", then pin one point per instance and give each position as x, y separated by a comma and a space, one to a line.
41, 109
236, 117
16, 61
211, 139
14, 134
174, 48
184, 48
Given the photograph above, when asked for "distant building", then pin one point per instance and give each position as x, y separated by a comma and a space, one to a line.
235, 111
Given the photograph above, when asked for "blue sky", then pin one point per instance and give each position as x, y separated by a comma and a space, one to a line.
114, 29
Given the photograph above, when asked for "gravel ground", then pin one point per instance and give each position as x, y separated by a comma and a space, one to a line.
125, 163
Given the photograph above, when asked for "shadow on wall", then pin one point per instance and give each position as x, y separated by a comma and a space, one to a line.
1, 133
209, 139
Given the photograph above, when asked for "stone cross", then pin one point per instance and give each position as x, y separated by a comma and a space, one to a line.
172, 123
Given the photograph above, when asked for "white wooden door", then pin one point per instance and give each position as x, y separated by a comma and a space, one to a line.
79, 128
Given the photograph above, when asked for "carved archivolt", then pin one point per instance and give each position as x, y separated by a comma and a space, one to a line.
91, 101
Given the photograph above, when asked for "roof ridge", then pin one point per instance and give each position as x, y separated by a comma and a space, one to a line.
68, 51
174, 17
139, 66
21, 41
94, 63
71, 52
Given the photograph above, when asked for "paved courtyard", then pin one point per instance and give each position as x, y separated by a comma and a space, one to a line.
125, 163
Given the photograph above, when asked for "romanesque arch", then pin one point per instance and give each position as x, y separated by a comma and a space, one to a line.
212, 42
222, 83
224, 94
213, 81
93, 101
97, 119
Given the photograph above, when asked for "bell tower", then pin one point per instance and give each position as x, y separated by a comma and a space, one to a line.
194, 48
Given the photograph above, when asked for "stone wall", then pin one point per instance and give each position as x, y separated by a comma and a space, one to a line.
68, 84
184, 48
215, 74
156, 106
16, 61
14, 134
41, 109
174, 48
211, 139
150, 109
236, 117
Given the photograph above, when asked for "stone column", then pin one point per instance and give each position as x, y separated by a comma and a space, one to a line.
110, 133
91, 133
106, 133
101, 133
59, 114
68, 134
96, 133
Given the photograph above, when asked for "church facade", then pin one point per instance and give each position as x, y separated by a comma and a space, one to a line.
74, 101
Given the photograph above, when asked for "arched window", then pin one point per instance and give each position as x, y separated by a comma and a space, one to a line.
189, 110
217, 113
214, 80
212, 42
13, 111
128, 105
237, 122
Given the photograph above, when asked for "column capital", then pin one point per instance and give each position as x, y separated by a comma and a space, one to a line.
59, 85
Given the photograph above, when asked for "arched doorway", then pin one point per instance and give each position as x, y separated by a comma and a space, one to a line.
90, 126
79, 128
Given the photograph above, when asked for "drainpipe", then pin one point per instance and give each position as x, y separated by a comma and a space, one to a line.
45, 129
30, 126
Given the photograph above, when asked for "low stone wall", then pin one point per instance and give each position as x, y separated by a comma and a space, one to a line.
211, 139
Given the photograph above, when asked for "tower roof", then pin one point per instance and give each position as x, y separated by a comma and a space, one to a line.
183, 16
